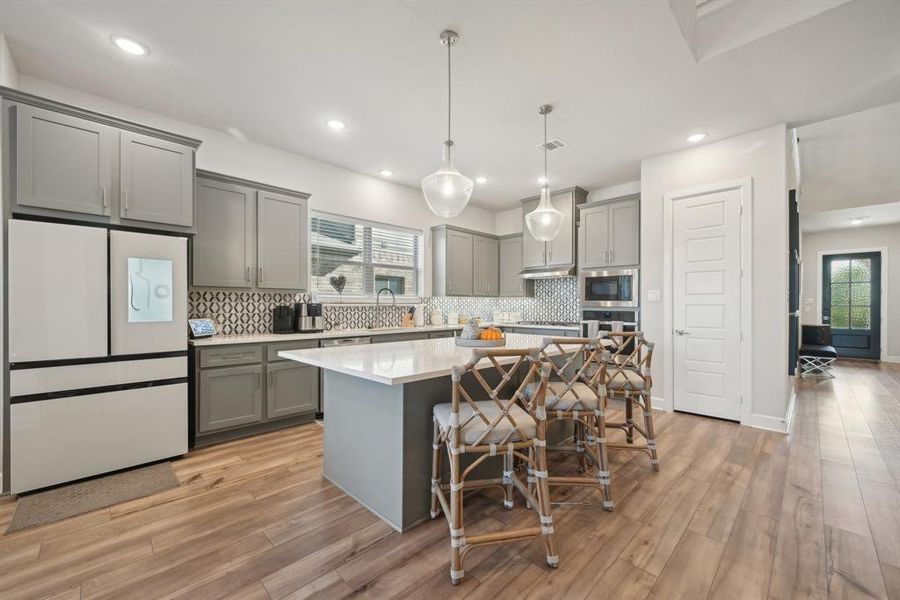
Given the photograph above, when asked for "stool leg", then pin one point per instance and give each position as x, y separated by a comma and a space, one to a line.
648, 427
435, 470
603, 467
456, 521
629, 419
507, 480
544, 504
530, 480
579, 445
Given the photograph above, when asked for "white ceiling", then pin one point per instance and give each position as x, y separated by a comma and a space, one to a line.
623, 80
851, 161
879, 214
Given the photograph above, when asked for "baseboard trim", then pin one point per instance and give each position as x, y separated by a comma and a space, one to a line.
779, 425
890, 358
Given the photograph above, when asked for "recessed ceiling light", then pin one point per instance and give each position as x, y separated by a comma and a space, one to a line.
130, 46
542, 180
696, 137
481, 180
335, 124
857, 220
385, 172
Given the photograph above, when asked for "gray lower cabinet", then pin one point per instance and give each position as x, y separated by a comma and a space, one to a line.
223, 255
441, 334
63, 162
156, 179
230, 397
291, 388
486, 266
398, 337
282, 240
544, 332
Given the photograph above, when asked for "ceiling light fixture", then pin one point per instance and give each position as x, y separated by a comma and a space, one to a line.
129, 45
857, 220
335, 124
696, 137
481, 180
385, 172
447, 191
544, 222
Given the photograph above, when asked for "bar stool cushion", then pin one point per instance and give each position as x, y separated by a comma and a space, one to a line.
818, 350
586, 400
624, 379
472, 431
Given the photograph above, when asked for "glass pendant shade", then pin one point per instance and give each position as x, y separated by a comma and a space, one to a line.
447, 191
544, 222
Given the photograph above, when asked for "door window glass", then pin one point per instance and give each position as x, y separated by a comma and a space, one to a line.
149, 290
851, 293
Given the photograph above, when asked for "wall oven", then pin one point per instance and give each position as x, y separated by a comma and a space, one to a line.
610, 288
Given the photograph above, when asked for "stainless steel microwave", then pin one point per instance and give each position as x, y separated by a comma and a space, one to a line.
615, 288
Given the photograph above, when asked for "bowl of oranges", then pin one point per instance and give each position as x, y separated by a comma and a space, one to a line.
489, 337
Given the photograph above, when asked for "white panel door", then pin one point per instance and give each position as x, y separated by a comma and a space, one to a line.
706, 272
57, 291
147, 293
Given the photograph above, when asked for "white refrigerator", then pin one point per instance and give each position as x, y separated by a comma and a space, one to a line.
97, 351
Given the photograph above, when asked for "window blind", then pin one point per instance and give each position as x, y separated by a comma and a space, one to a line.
370, 256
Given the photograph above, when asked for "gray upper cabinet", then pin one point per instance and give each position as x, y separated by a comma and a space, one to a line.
511, 284
452, 252
624, 232
609, 234
249, 234
231, 396
63, 162
560, 252
157, 180
291, 389
223, 253
282, 241
486, 267
94, 167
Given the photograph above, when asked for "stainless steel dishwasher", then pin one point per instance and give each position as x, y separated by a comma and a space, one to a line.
332, 343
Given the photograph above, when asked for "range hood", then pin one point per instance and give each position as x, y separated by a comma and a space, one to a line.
548, 272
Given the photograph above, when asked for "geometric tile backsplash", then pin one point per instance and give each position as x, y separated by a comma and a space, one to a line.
250, 311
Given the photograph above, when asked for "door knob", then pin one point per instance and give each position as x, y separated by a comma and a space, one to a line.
681, 332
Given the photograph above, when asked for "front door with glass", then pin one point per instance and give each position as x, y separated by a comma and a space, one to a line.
851, 303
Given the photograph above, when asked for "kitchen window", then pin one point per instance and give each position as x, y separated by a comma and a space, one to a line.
368, 256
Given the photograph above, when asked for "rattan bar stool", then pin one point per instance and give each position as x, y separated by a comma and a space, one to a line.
628, 378
512, 427
579, 395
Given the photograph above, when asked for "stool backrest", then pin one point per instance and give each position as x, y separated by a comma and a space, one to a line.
577, 360
633, 353
505, 394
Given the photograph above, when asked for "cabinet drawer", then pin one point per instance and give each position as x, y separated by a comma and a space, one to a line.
230, 355
398, 337
441, 334
272, 350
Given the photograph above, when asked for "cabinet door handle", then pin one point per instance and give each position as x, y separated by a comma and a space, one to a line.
259, 275
257, 380
270, 378
247, 277
103, 195
612, 254
125, 199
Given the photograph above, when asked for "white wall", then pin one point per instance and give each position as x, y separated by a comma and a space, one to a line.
334, 189
761, 156
9, 75
857, 238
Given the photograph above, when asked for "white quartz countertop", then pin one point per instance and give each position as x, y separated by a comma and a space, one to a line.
400, 362
268, 338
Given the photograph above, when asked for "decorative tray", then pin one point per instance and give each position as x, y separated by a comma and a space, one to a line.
481, 343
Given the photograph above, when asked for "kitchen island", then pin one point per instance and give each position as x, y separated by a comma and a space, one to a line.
377, 401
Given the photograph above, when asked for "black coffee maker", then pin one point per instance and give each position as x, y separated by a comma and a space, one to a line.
308, 317
283, 319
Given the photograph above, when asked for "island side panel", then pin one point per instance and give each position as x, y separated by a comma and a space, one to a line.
364, 442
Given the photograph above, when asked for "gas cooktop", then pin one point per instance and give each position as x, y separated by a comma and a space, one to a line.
550, 323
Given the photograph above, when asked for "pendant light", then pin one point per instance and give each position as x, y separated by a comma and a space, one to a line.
544, 222
447, 191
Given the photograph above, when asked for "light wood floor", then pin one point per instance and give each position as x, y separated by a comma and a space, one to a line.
733, 513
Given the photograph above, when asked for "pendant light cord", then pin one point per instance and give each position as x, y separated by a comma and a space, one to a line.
546, 180
449, 86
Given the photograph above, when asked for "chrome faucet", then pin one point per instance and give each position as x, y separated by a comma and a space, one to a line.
378, 304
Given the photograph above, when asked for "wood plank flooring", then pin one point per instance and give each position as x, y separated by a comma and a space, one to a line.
733, 513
